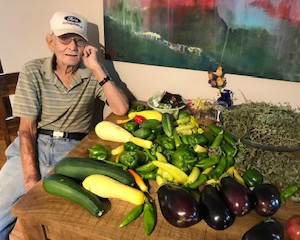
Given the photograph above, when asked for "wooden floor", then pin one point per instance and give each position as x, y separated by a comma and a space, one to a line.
16, 233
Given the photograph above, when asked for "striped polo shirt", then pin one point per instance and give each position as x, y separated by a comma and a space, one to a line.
41, 96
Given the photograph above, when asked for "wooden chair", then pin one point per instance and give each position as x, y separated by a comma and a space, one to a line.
9, 124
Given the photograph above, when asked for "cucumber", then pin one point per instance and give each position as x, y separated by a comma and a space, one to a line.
149, 123
167, 124
64, 187
80, 168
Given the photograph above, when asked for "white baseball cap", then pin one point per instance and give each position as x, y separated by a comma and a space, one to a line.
66, 22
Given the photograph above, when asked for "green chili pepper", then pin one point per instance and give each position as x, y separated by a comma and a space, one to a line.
115, 164
230, 162
288, 192
218, 140
184, 139
98, 152
229, 139
201, 179
148, 167
149, 218
131, 126
176, 138
132, 215
150, 156
148, 175
228, 149
208, 162
219, 169
252, 177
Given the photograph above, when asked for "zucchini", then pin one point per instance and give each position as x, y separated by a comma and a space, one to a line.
80, 168
64, 187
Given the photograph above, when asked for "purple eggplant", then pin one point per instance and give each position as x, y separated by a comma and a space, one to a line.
178, 206
236, 196
265, 230
215, 211
266, 199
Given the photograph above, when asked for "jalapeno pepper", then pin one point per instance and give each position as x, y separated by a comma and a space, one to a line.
132, 215
149, 218
252, 177
184, 139
288, 192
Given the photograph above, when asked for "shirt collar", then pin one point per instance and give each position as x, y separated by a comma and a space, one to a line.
81, 73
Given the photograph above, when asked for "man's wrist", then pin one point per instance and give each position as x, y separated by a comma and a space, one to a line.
105, 80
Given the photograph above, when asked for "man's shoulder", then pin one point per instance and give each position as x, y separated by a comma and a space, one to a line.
35, 64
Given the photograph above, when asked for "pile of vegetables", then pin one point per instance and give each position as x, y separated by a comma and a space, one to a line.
194, 167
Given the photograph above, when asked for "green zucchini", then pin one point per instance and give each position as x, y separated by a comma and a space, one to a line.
80, 168
64, 187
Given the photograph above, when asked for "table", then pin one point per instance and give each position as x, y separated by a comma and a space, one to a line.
43, 216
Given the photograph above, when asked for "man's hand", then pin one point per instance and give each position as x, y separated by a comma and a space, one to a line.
90, 58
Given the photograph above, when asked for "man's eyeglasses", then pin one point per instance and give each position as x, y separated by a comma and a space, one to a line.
67, 39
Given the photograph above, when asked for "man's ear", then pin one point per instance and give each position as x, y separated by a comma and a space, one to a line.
50, 42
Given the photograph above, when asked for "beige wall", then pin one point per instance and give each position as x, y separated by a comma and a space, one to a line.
24, 25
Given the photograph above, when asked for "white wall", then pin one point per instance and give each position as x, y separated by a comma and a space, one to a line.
24, 25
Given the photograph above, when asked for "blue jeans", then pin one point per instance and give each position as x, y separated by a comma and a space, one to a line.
49, 152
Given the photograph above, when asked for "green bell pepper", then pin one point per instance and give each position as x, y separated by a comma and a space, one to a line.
168, 153
166, 142
196, 138
131, 126
133, 159
130, 146
252, 177
156, 148
184, 157
98, 152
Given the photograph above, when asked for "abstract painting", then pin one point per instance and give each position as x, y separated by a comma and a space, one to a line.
258, 38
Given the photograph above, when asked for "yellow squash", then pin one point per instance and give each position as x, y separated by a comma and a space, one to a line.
107, 187
110, 131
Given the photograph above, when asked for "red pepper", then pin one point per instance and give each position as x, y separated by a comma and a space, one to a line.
138, 119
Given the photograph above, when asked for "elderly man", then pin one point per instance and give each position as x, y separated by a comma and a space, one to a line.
54, 99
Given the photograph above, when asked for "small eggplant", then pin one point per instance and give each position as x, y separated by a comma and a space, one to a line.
216, 213
265, 230
266, 199
178, 206
236, 196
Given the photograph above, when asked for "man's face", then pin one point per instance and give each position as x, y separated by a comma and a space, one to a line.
68, 49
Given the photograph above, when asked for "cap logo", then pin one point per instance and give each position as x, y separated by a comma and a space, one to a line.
72, 19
